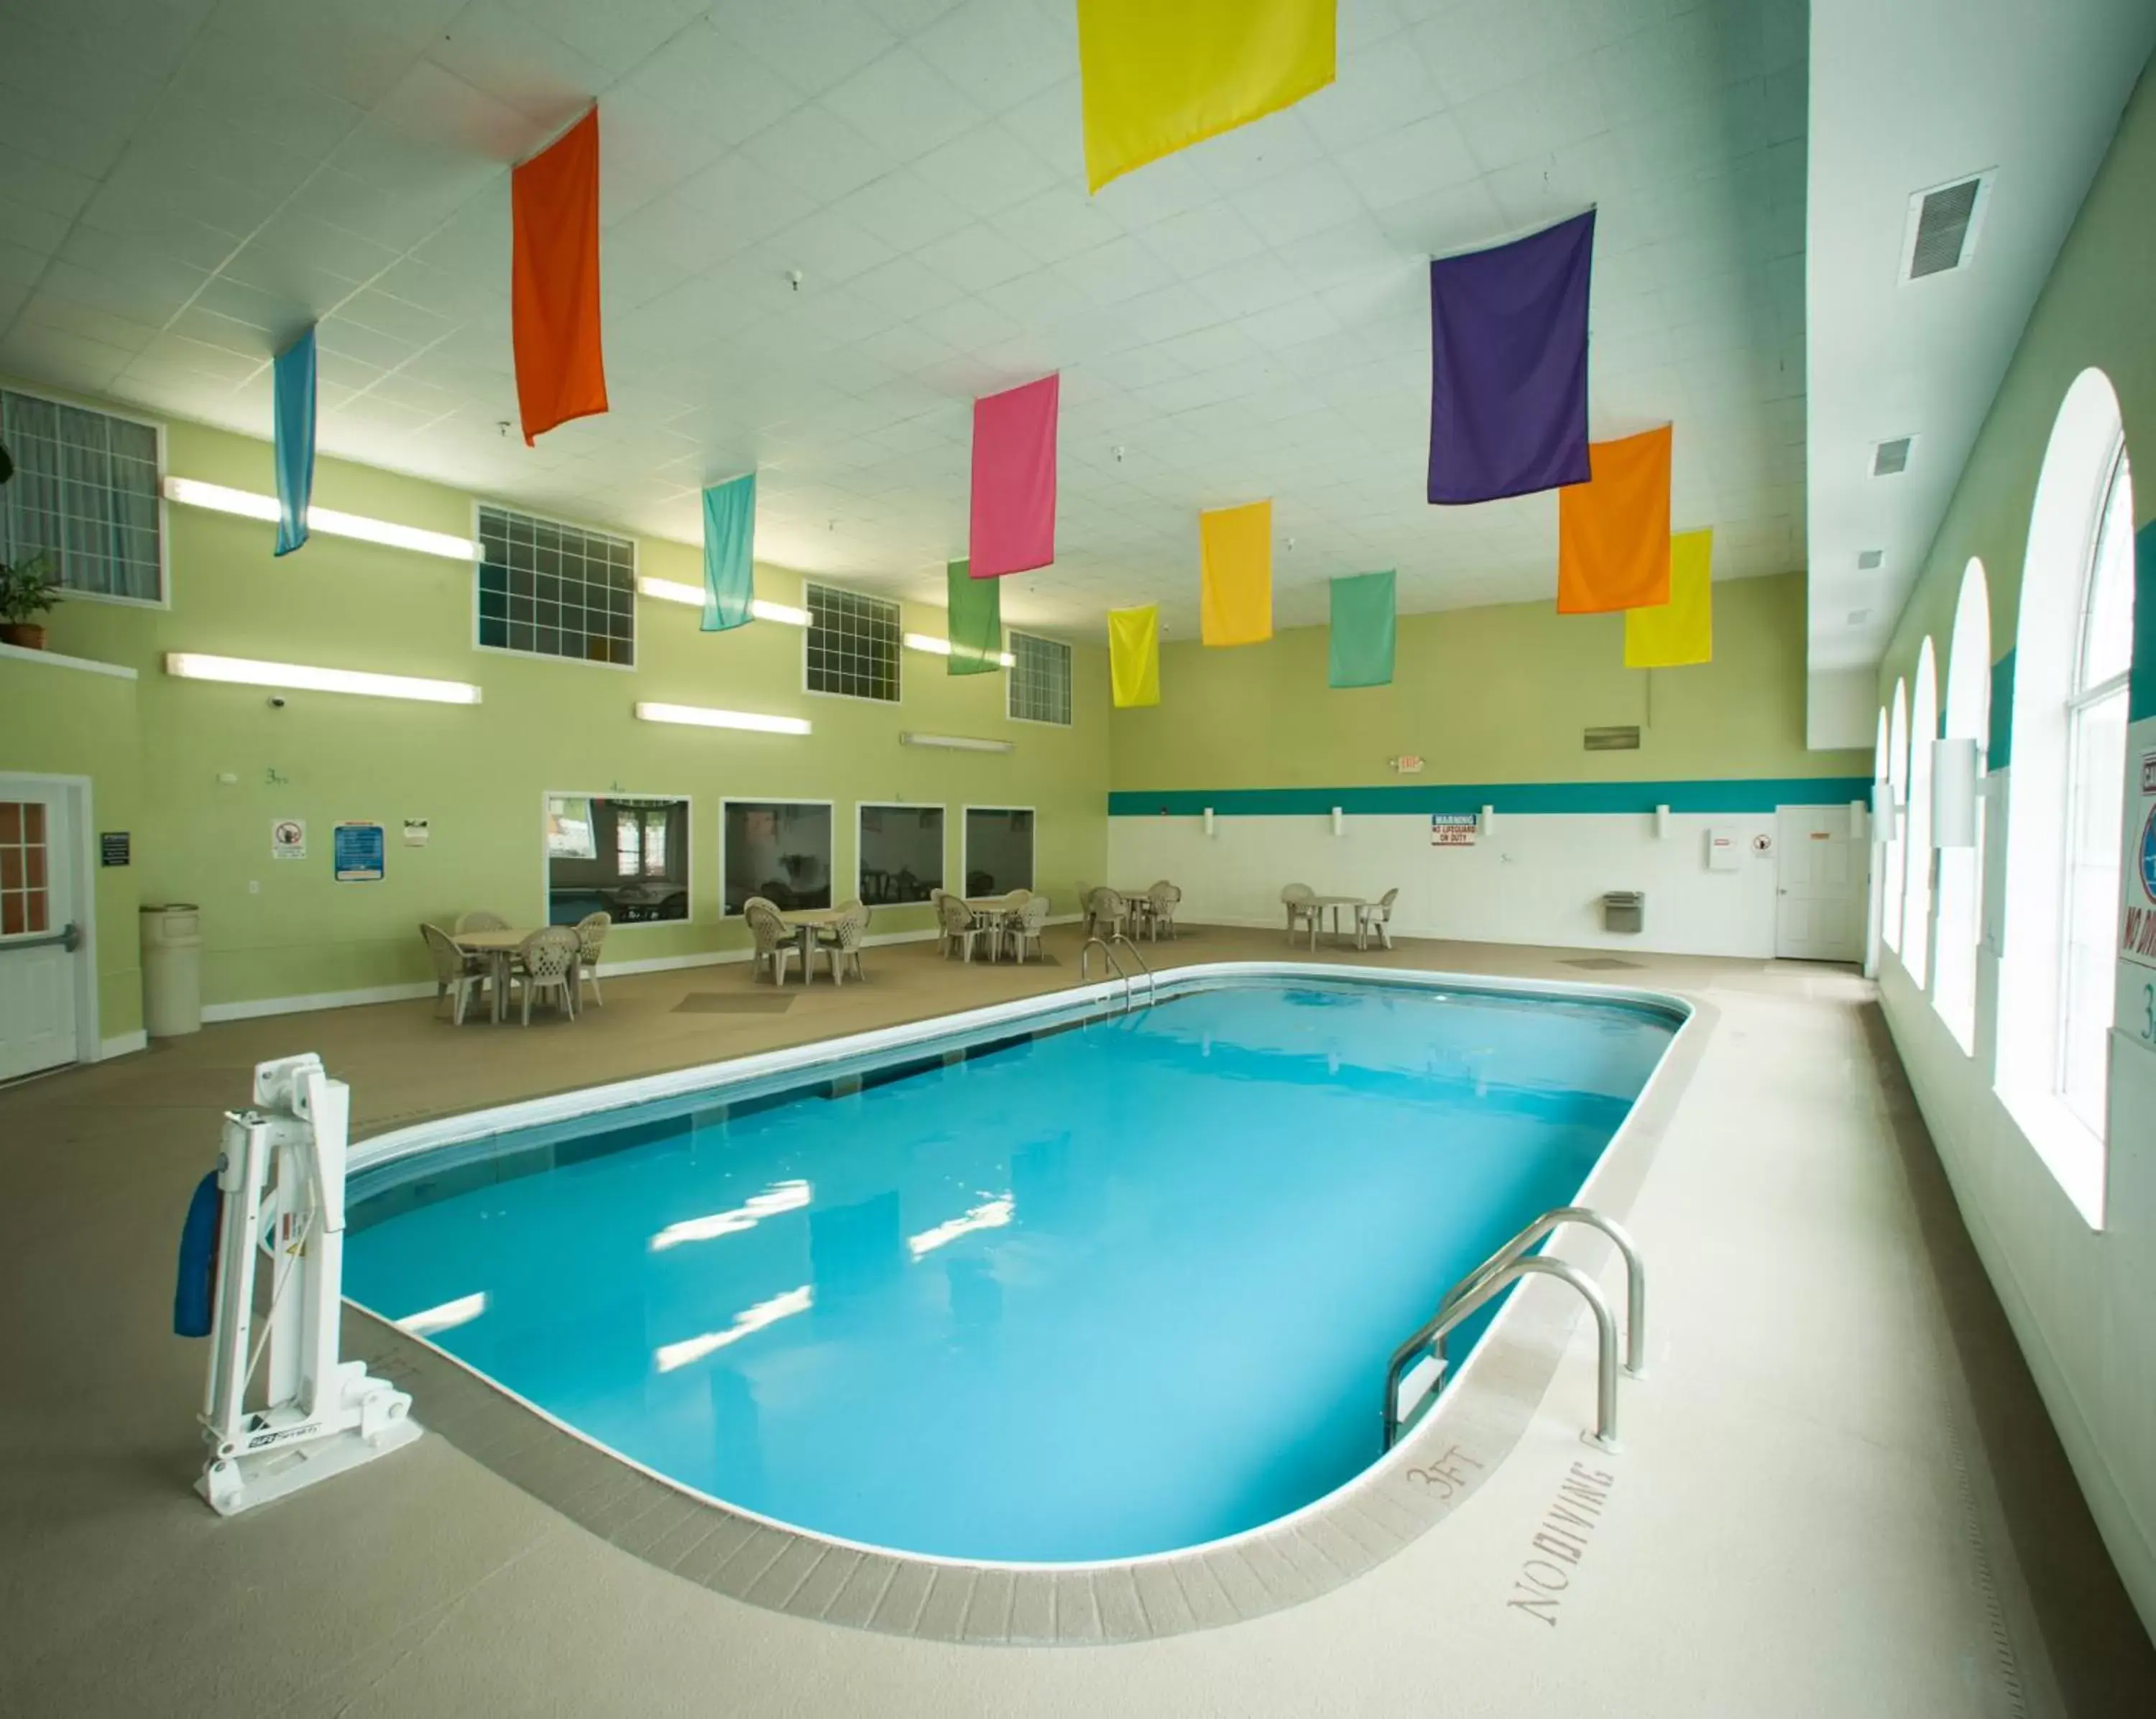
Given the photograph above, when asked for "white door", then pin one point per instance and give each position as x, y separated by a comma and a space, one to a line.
37, 929
1820, 880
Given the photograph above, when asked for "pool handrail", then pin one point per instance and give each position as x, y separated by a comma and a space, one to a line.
1108, 955
1153, 984
1635, 1273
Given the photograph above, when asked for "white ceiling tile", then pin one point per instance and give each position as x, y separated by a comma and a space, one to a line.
903, 210
615, 36
491, 47
43, 185
908, 289
976, 258
1212, 236
1431, 154
993, 50
1057, 224
987, 169
818, 43
1116, 272
817, 152
826, 249
902, 106
39, 353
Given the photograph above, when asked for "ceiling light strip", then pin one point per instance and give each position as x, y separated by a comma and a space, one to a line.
692, 596
302, 677
954, 742
191, 492
702, 717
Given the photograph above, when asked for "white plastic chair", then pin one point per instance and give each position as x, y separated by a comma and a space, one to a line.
1376, 916
775, 942
591, 937
547, 961
456, 974
962, 926
1300, 901
841, 940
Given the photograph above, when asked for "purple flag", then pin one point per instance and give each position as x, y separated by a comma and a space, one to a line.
1508, 365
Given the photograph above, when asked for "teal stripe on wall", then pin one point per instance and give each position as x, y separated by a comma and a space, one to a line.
2141, 690
2000, 751
1734, 794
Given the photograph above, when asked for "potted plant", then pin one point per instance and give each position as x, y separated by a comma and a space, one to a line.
27, 590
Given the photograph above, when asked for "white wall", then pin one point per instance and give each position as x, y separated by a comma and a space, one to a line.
2081, 1300
1536, 879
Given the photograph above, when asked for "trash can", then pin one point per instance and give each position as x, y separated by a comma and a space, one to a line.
1624, 911
171, 970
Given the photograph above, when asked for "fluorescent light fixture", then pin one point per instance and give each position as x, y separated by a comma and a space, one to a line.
779, 1197
300, 677
955, 742
672, 1356
995, 1215
698, 716
692, 596
247, 505
941, 648
446, 1317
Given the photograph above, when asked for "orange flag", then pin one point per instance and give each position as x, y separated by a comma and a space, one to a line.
1613, 531
554, 288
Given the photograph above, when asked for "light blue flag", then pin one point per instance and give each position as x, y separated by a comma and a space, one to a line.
729, 553
295, 413
1362, 634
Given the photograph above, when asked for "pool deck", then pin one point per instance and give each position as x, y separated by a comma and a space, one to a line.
1837, 1492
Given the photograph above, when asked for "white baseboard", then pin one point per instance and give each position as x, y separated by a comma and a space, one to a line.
123, 1044
253, 1007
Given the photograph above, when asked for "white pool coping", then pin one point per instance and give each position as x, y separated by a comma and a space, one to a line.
1319, 1546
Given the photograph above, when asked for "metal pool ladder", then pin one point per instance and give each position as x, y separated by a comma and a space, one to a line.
1506, 1267
1108, 954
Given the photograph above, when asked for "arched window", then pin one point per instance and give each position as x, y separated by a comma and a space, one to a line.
1897, 844
1961, 870
1917, 892
2072, 653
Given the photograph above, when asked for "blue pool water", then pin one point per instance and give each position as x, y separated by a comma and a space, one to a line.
1112, 1289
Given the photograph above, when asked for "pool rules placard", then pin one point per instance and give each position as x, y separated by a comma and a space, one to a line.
357, 850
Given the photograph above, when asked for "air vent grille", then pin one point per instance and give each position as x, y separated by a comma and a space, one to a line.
1858, 616
1868, 560
1613, 740
1891, 459
1943, 220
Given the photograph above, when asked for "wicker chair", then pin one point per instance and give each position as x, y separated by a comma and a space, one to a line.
456, 974
776, 943
1376, 916
1300, 901
962, 926
546, 961
480, 922
1105, 913
841, 940
1163, 898
1085, 905
942, 931
1024, 926
591, 934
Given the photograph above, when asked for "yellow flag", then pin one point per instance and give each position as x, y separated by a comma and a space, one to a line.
1680, 631
1134, 655
1235, 577
1159, 75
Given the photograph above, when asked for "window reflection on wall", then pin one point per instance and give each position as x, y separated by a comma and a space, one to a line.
901, 853
624, 857
779, 850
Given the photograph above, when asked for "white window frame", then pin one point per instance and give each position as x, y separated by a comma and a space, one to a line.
164, 599
1917, 845
1010, 678
965, 841
635, 569
829, 806
1897, 841
898, 666
936, 806
1965, 714
588, 794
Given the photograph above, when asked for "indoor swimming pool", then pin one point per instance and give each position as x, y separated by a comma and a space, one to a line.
1067, 1288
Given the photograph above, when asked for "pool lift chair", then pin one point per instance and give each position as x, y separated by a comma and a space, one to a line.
279, 1189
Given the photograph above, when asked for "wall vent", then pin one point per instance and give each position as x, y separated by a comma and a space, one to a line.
1858, 616
1891, 459
1868, 559
1943, 226
1613, 740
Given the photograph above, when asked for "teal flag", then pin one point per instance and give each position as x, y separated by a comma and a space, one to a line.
1362, 635
976, 622
729, 553
292, 407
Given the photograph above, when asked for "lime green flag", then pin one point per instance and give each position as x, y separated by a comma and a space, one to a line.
1362, 634
976, 622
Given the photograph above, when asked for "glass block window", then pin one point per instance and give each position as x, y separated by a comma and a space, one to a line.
556, 590
85, 492
1040, 680
853, 644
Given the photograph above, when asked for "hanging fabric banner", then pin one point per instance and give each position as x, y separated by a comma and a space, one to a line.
976, 628
1680, 632
554, 281
1154, 78
1360, 639
1508, 365
293, 408
1613, 533
729, 553
1013, 509
1235, 576
1134, 656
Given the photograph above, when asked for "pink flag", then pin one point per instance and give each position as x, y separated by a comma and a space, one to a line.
1013, 527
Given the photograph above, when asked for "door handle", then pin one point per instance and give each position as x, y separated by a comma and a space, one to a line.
69, 939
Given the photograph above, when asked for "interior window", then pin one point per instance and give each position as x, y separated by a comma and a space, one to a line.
779, 850
998, 850
1961, 870
901, 853
1897, 844
1917, 905
625, 857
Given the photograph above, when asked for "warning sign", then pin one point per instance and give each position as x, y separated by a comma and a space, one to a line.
1452, 829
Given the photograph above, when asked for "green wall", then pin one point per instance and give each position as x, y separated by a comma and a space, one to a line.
284, 928
56, 720
1496, 695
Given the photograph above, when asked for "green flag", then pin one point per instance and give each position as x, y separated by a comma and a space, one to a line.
1362, 634
976, 622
